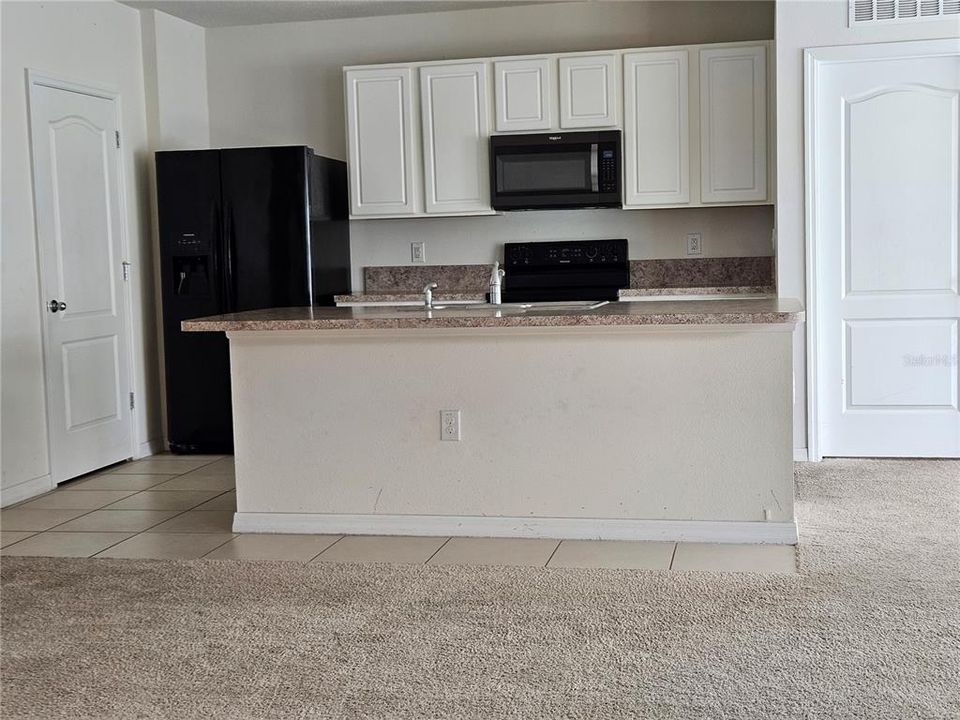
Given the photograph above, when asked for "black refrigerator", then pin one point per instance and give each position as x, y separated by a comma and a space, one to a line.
240, 229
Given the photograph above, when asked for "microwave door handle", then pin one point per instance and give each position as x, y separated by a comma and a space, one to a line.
594, 173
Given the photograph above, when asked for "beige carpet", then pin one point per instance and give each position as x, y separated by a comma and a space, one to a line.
870, 628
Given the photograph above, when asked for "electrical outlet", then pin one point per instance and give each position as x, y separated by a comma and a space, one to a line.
450, 425
418, 252
694, 244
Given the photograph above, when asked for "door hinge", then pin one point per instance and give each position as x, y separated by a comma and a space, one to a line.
131, 401
117, 135
126, 270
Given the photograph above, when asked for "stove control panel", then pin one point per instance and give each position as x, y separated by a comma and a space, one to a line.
595, 253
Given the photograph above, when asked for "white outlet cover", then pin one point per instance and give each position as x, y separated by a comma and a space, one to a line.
694, 244
418, 252
450, 425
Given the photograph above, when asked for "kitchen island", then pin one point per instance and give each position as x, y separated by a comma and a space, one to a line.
646, 421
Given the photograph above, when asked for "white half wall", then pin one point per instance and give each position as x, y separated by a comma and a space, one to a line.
586, 424
802, 24
96, 43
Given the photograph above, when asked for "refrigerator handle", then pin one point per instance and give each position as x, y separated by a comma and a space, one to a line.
229, 289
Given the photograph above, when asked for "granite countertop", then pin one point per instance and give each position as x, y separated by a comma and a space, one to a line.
387, 297
654, 312
745, 290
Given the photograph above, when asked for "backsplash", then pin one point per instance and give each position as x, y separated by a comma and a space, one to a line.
670, 273
702, 272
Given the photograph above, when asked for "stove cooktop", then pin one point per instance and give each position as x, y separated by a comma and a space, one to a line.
567, 270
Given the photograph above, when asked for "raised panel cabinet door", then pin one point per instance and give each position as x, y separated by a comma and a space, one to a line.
524, 94
733, 124
454, 109
380, 138
656, 128
588, 91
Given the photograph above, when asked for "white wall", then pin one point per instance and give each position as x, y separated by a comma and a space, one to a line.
88, 42
178, 118
283, 84
727, 232
175, 72
804, 24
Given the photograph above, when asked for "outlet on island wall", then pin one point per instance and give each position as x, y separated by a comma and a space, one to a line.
731, 231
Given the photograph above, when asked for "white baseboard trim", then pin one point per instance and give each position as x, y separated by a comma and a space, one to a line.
780, 533
25, 490
150, 447
800, 455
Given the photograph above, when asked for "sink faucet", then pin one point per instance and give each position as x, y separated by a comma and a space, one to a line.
428, 295
496, 275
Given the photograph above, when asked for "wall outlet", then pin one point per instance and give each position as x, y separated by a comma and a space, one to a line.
450, 425
694, 244
418, 252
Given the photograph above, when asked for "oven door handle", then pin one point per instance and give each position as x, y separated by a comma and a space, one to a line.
594, 171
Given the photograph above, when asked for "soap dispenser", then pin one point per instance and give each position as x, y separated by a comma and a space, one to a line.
496, 275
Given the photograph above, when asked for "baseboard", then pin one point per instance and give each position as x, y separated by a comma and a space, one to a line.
800, 455
25, 490
780, 533
151, 447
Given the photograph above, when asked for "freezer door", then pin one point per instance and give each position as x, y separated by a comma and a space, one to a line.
196, 365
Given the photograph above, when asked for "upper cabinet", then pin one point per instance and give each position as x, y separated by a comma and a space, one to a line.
694, 119
381, 142
656, 128
454, 109
588, 91
525, 92
733, 124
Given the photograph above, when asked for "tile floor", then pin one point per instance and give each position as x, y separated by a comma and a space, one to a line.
181, 507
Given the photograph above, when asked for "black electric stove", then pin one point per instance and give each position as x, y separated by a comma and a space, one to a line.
569, 270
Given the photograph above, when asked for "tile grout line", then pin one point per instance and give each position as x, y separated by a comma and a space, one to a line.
547, 563
325, 549
233, 536
442, 546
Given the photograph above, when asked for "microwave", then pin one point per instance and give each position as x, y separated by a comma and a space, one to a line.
555, 170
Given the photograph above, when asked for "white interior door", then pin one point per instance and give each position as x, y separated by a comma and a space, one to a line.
883, 128
80, 237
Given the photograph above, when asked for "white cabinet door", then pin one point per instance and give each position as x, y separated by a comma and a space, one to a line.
656, 128
380, 134
524, 94
454, 108
733, 124
588, 91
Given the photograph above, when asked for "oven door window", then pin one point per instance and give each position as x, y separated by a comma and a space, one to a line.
561, 171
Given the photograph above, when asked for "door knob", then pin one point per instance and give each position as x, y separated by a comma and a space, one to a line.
57, 306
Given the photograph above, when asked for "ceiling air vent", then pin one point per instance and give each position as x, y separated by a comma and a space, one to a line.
868, 12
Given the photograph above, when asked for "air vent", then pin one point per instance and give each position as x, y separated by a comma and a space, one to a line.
868, 12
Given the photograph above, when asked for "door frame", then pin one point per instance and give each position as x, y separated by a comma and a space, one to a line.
814, 61
36, 79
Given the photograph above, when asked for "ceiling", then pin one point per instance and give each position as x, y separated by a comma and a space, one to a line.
223, 13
